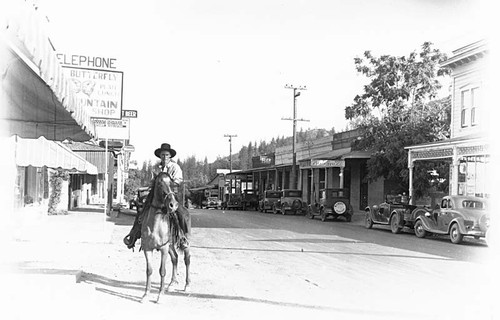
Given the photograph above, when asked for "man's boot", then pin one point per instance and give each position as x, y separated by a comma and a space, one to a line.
134, 234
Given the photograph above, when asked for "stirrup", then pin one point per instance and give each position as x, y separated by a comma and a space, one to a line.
129, 241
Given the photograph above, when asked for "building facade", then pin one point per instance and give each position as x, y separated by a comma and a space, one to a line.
467, 150
37, 112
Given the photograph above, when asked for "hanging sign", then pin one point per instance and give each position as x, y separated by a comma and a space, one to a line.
112, 129
97, 90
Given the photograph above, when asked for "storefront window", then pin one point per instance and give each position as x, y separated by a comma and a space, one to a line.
472, 176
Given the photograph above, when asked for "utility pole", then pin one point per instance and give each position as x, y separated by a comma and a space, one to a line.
230, 136
294, 119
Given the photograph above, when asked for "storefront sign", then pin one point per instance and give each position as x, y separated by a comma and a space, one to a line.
129, 113
97, 89
324, 163
112, 129
262, 161
81, 61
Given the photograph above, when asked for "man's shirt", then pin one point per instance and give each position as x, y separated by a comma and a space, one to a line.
173, 170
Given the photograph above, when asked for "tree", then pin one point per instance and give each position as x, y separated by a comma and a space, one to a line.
396, 109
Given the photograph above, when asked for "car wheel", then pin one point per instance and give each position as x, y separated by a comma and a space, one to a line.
323, 214
395, 227
455, 235
368, 220
275, 210
420, 232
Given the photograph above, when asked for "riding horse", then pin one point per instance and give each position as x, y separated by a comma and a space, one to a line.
165, 228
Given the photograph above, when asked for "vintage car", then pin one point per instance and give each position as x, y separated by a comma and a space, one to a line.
249, 199
267, 200
290, 200
334, 203
142, 194
458, 216
212, 203
233, 201
395, 211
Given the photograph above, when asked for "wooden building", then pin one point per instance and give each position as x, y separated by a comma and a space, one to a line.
468, 147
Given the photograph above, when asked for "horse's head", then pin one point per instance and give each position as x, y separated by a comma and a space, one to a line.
164, 193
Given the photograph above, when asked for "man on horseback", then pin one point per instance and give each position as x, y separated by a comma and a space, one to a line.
174, 171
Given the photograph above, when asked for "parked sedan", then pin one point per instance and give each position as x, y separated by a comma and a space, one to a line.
290, 201
458, 216
268, 199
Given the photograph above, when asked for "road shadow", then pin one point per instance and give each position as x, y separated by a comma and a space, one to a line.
302, 251
114, 288
26, 268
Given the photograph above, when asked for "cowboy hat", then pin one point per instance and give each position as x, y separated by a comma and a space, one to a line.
165, 147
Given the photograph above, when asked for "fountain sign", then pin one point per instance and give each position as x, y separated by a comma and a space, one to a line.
97, 91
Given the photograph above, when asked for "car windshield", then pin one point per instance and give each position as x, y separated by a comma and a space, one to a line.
293, 193
272, 194
473, 204
337, 193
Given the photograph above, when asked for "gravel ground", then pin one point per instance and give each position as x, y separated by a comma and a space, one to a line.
76, 267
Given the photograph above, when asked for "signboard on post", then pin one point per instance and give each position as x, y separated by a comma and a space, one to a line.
112, 129
98, 91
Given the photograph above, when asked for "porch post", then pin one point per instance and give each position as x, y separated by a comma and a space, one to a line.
341, 182
410, 176
454, 173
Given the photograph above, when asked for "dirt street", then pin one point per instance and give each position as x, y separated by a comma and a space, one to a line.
76, 267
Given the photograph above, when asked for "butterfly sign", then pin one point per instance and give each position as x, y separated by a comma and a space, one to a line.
86, 86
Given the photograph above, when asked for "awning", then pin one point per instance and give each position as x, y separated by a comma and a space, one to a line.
42, 152
358, 154
331, 155
37, 99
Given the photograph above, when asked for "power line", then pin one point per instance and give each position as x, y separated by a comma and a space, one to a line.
230, 136
296, 93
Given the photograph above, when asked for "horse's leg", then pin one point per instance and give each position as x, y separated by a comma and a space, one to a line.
187, 262
174, 257
149, 271
164, 257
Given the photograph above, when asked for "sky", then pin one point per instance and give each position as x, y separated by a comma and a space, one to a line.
196, 70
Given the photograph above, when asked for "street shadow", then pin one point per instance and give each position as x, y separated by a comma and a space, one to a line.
121, 219
96, 279
302, 251
25, 268
311, 240
95, 209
